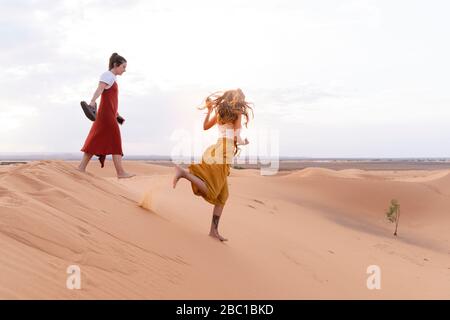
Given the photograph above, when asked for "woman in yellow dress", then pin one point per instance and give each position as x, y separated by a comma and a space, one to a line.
209, 178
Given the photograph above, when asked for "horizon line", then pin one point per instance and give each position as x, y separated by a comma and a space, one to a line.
10, 156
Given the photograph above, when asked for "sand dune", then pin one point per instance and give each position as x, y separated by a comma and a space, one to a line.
306, 234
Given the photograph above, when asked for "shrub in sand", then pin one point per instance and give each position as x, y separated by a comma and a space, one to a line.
393, 214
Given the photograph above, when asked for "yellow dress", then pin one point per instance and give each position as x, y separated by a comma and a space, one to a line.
215, 167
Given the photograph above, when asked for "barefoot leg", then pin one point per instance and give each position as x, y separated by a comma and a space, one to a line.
84, 162
182, 173
121, 173
214, 232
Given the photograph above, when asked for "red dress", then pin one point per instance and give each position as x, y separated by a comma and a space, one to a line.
104, 136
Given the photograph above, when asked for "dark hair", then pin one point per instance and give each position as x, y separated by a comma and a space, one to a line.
116, 60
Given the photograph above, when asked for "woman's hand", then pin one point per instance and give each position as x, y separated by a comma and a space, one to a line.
209, 104
97, 93
241, 142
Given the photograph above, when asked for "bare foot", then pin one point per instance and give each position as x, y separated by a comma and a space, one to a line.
81, 170
179, 173
215, 234
125, 175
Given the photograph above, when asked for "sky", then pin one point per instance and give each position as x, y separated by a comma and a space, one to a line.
326, 78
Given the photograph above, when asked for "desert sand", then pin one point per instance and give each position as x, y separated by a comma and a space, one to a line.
302, 234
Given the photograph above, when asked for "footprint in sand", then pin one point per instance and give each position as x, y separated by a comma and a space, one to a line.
261, 203
11, 200
83, 230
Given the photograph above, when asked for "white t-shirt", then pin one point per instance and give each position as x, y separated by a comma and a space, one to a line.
227, 131
108, 77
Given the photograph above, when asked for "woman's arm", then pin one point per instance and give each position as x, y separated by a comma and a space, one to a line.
208, 123
237, 131
98, 92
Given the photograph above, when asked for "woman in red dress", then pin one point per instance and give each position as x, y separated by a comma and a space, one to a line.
104, 136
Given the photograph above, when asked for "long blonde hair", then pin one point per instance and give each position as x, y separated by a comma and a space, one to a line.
229, 105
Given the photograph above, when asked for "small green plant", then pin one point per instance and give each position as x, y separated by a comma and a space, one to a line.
393, 214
